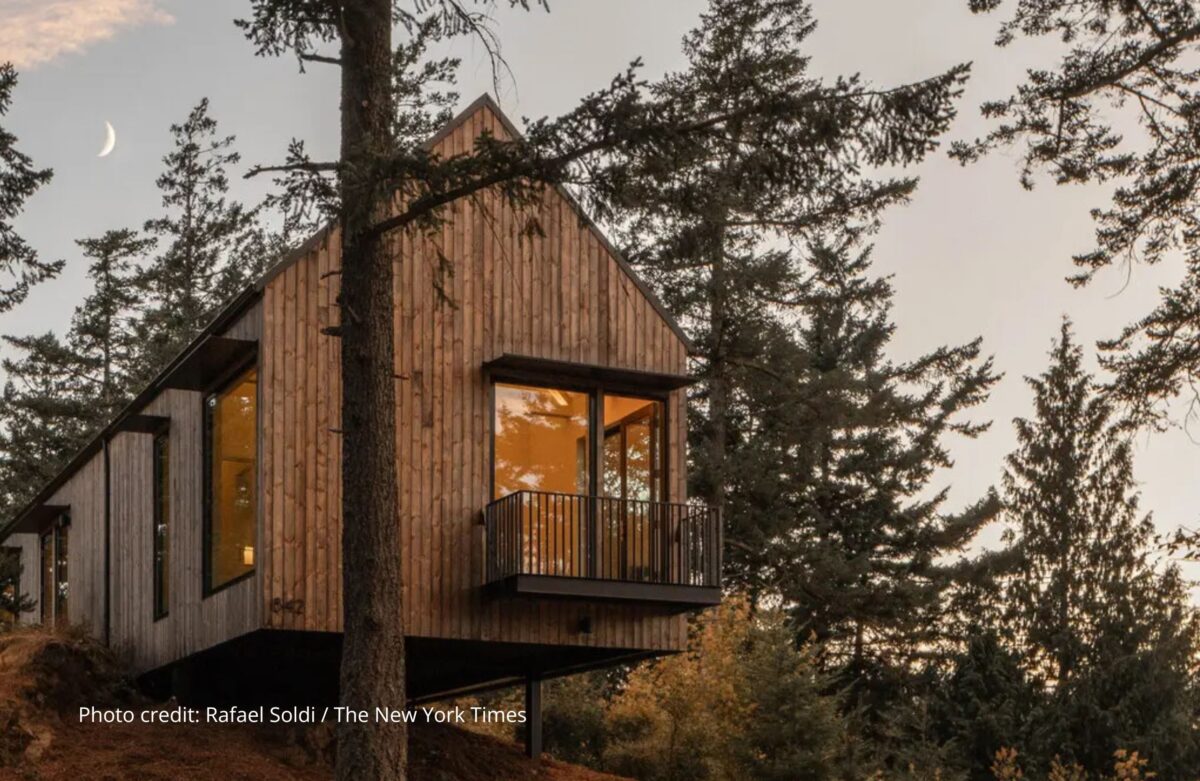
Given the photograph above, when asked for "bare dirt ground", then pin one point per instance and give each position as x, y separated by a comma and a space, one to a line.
45, 677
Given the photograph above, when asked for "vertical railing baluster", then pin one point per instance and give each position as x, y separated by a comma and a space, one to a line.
602, 537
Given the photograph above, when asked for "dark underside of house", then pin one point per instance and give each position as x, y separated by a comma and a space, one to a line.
289, 668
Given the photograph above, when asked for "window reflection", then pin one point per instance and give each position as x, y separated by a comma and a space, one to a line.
544, 438
541, 440
632, 448
632, 471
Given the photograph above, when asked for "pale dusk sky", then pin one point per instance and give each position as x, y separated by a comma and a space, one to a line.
972, 254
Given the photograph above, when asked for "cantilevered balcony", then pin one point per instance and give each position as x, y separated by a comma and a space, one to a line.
546, 544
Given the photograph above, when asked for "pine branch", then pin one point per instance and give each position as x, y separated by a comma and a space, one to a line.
321, 58
1088, 86
309, 167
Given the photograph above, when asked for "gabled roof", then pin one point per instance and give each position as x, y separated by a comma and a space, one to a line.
253, 292
485, 101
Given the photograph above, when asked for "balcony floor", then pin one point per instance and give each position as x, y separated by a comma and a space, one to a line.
681, 597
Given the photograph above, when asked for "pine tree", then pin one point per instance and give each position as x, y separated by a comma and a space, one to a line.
43, 418
1120, 64
866, 567
984, 702
711, 228
61, 391
796, 729
102, 337
1113, 636
20, 266
210, 246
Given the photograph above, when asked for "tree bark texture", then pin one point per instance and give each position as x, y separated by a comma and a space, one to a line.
372, 672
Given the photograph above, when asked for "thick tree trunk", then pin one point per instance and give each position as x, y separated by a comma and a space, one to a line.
719, 384
372, 673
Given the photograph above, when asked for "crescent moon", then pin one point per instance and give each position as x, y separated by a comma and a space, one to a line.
110, 140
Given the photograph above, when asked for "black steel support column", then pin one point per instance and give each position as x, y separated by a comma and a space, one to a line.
533, 716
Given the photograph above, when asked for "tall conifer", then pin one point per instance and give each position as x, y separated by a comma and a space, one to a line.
210, 246
871, 555
102, 338
713, 225
1111, 634
20, 266
43, 419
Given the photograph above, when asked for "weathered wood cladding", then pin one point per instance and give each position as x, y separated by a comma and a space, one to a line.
29, 583
555, 293
83, 492
193, 622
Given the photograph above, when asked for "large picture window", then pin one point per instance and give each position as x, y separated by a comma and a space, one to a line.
542, 440
231, 481
162, 523
589, 467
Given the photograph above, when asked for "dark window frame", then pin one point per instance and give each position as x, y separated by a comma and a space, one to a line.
45, 601
62, 596
227, 381
596, 391
658, 440
160, 570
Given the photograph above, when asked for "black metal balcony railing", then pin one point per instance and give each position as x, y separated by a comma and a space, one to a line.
602, 538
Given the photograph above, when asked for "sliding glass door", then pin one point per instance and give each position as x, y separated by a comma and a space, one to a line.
587, 468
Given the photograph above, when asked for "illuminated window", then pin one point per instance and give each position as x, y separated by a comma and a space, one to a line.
590, 469
632, 448
542, 440
231, 481
162, 524
60, 572
55, 569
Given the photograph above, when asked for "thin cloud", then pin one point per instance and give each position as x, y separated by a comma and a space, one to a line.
34, 32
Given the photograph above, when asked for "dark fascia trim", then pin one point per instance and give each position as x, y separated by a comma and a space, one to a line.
315, 241
209, 361
234, 309
38, 516
549, 370
143, 424
666, 595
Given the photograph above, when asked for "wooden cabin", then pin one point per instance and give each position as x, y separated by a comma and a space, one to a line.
541, 470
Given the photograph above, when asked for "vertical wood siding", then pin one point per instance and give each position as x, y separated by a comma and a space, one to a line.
84, 493
557, 294
193, 622
30, 583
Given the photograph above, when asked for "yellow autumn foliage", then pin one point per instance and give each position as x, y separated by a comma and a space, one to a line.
677, 718
1127, 766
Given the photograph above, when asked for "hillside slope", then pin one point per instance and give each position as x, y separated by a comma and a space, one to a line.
45, 678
